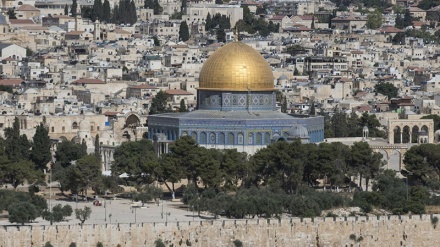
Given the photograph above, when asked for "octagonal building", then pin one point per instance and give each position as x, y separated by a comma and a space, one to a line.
236, 107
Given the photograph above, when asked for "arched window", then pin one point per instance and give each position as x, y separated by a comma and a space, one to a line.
194, 136
240, 138
259, 138
75, 125
203, 138
212, 138
250, 138
221, 138
231, 139
267, 138
184, 133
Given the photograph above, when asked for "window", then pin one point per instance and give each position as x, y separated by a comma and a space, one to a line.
240, 138
212, 138
75, 125
203, 138
194, 136
221, 138
250, 138
259, 139
53, 129
97, 128
63, 129
91, 128
231, 138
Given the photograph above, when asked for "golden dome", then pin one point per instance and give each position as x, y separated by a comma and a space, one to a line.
236, 67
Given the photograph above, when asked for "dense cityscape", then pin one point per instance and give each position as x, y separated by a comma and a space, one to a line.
219, 123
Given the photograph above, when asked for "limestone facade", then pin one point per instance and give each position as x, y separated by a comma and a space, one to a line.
416, 230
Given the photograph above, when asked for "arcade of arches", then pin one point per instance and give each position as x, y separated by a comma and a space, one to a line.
402, 131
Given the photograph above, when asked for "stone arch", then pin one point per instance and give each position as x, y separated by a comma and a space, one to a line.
63, 138
415, 133
240, 138
221, 138
395, 160
194, 135
132, 120
406, 134
231, 138
250, 138
259, 139
203, 137
266, 138
212, 138
428, 124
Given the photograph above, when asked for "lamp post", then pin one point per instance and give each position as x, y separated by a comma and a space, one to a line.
105, 210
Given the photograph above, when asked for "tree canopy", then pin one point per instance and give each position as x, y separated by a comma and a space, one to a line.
387, 89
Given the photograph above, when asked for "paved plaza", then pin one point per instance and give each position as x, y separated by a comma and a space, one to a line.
123, 211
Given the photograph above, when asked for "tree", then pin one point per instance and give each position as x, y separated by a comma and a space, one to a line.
20, 171
221, 35
97, 10
11, 14
183, 31
182, 107
41, 153
138, 159
157, 8
365, 162
423, 163
159, 103
48, 244
83, 214
296, 72
387, 89
312, 109
436, 119
66, 10
159, 243
22, 212
84, 174
374, 20
73, 8
67, 152
313, 23
13, 146
183, 6
106, 11
156, 41
58, 213
284, 105
97, 147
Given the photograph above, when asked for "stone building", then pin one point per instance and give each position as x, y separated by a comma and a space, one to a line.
236, 107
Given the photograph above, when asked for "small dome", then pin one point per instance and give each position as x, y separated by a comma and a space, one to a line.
282, 77
298, 131
236, 67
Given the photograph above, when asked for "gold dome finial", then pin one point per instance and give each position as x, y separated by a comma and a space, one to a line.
236, 33
236, 67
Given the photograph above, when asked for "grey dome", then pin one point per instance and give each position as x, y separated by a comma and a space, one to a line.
298, 131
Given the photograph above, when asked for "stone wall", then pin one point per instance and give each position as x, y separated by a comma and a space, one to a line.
375, 231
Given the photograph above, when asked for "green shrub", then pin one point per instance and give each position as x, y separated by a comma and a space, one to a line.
238, 243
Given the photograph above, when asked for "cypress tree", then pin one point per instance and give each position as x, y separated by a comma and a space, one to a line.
73, 8
132, 13
41, 153
106, 11
12, 141
66, 10
97, 147
182, 106
184, 31
284, 105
